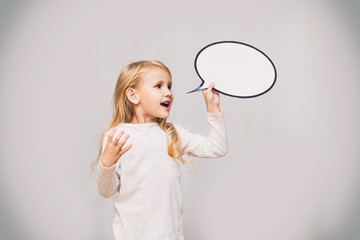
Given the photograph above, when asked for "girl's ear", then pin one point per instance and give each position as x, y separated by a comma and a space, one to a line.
132, 96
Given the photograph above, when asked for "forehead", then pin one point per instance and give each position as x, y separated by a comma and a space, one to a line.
156, 74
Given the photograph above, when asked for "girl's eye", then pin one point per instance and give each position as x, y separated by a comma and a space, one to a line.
158, 86
169, 87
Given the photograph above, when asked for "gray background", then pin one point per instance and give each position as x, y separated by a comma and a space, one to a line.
292, 171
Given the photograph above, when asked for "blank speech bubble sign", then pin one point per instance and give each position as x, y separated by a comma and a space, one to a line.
237, 69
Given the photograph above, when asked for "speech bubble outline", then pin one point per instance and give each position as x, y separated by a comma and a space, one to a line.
252, 48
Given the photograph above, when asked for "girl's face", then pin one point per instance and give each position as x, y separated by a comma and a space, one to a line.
155, 96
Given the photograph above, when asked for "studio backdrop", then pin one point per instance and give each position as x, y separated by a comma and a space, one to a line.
292, 170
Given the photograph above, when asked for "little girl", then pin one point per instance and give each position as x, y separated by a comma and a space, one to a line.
141, 153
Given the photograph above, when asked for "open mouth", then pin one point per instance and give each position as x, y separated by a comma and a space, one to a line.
165, 104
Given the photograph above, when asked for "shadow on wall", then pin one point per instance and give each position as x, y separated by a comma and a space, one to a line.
349, 229
9, 11
9, 228
350, 11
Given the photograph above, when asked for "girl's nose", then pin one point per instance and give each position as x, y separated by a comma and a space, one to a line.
168, 92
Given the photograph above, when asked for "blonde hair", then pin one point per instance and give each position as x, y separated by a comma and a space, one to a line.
123, 111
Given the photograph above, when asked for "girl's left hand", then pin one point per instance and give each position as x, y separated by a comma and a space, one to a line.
212, 99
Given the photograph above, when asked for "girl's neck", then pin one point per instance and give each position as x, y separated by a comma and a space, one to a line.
142, 120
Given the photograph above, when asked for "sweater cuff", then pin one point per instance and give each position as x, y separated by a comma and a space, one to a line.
106, 169
215, 115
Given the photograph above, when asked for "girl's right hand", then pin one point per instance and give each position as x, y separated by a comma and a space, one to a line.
114, 148
212, 99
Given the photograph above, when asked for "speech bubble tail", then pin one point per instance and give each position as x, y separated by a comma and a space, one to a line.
198, 89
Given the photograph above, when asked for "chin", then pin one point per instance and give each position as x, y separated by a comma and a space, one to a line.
164, 116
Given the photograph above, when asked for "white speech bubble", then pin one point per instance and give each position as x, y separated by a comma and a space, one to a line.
237, 69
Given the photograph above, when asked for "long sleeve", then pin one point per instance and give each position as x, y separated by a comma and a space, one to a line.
214, 145
149, 202
108, 181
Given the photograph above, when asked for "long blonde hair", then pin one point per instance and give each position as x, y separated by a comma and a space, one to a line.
123, 111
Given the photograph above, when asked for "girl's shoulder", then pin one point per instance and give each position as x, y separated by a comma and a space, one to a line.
118, 128
180, 129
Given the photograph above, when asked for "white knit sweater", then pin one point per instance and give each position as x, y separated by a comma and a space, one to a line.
149, 202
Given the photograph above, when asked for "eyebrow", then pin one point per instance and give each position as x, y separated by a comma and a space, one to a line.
163, 81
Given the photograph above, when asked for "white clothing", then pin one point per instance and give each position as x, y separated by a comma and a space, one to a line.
149, 203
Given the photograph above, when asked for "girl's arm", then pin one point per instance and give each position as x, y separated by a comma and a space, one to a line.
215, 145
108, 181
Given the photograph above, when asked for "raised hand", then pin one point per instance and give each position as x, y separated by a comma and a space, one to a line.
114, 148
212, 99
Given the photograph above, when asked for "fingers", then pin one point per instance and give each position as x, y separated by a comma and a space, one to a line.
211, 86
209, 89
111, 135
119, 141
116, 140
125, 149
215, 92
120, 144
115, 147
123, 141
